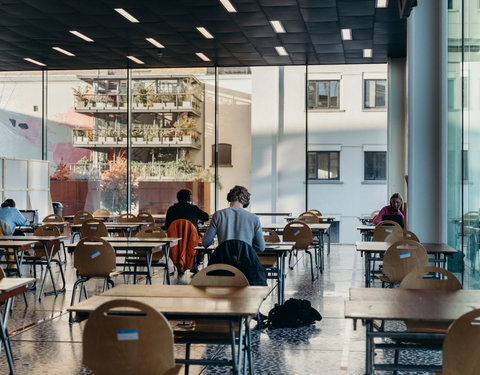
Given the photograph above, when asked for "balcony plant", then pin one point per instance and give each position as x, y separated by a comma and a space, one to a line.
138, 134
81, 97
110, 135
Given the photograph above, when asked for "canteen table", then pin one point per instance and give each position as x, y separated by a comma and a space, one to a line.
366, 231
188, 302
373, 251
369, 304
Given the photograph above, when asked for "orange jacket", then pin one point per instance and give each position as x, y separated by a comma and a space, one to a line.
183, 255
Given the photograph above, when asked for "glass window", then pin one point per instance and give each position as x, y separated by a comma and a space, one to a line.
375, 165
374, 93
224, 155
323, 165
323, 94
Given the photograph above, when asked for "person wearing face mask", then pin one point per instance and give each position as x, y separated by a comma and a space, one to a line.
236, 223
395, 208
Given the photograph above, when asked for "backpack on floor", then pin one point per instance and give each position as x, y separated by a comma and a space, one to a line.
292, 314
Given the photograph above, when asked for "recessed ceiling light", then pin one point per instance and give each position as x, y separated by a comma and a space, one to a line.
155, 43
34, 61
278, 27
382, 3
347, 34
202, 56
81, 36
127, 15
281, 51
367, 53
228, 6
61, 50
134, 59
205, 32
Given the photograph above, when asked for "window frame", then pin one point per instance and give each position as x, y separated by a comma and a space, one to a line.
376, 179
315, 106
375, 107
317, 154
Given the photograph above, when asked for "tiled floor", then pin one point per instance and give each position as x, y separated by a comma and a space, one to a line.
43, 341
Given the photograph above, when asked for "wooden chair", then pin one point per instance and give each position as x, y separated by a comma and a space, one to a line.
79, 218
93, 258
158, 258
93, 228
52, 218
270, 235
405, 235
146, 218
308, 217
460, 346
401, 258
127, 218
101, 214
138, 340
385, 228
316, 212
300, 233
268, 259
374, 214
212, 332
42, 257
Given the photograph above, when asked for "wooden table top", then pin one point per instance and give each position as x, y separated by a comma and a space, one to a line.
207, 306
379, 247
324, 217
128, 245
318, 226
113, 225
138, 239
57, 223
8, 284
16, 244
273, 213
33, 238
410, 304
366, 227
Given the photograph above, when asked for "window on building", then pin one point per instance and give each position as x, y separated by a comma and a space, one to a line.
224, 155
375, 165
323, 95
374, 93
323, 165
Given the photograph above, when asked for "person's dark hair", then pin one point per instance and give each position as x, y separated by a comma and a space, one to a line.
184, 195
239, 193
8, 203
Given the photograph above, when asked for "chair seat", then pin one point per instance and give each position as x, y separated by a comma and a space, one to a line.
267, 261
384, 278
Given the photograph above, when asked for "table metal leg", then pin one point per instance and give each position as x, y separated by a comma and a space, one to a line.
5, 339
367, 270
369, 350
232, 342
281, 277
166, 276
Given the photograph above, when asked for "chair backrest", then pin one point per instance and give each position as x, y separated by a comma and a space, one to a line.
2, 273
138, 341
127, 218
219, 275
315, 211
44, 231
52, 218
298, 232
308, 217
460, 346
145, 217
385, 228
151, 232
416, 279
402, 257
101, 213
270, 235
374, 214
94, 257
81, 216
93, 228
405, 235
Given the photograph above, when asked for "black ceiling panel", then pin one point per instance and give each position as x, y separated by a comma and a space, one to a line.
30, 28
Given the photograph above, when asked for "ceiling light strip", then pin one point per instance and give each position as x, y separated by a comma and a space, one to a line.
34, 61
367, 53
81, 36
382, 4
278, 27
346, 34
228, 6
281, 51
155, 42
134, 59
204, 32
61, 50
202, 56
127, 15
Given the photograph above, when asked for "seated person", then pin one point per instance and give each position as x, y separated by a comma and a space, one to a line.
395, 208
236, 223
184, 209
11, 217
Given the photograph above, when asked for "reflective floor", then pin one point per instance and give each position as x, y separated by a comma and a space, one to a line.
43, 341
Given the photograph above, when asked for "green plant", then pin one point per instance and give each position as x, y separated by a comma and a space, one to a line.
111, 132
137, 132
80, 94
78, 132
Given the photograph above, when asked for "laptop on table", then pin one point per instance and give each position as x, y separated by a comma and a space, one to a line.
396, 218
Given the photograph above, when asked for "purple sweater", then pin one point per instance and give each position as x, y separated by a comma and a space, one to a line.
387, 210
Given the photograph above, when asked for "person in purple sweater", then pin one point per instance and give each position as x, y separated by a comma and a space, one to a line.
395, 208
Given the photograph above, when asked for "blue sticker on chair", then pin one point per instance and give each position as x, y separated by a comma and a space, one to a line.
127, 334
82, 217
95, 254
296, 232
388, 230
93, 227
406, 254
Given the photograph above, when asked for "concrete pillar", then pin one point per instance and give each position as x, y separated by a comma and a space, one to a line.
426, 60
396, 134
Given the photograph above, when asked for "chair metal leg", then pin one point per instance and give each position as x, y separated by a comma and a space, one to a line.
187, 357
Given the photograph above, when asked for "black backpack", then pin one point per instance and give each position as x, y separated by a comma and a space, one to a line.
292, 314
